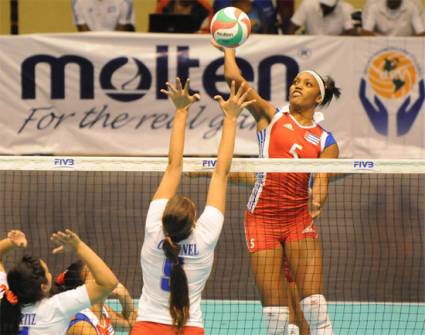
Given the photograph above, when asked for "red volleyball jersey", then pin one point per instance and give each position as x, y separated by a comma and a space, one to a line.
285, 195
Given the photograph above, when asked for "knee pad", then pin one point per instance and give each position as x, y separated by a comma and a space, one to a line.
293, 329
316, 314
276, 320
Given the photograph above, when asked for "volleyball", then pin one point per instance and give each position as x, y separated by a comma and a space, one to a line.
230, 27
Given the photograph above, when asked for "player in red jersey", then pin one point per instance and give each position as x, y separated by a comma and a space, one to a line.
278, 221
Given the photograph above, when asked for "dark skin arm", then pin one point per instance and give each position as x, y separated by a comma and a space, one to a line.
261, 110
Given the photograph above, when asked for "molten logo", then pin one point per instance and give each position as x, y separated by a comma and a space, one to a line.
134, 88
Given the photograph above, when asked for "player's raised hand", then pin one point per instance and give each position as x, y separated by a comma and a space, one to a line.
180, 95
18, 238
236, 102
217, 46
66, 241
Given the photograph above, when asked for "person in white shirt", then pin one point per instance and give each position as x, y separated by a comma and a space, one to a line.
103, 15
368, 3
26, 308
323, 17
393, 18
178, 250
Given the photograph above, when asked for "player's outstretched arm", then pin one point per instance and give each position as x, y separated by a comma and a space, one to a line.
260, 109
321, 181
231, 109
104, 279
15, 239
182, 101
123, 321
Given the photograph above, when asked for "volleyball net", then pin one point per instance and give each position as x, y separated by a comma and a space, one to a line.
371, 231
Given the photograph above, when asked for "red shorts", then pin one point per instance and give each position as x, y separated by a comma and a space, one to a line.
264, 233
153, 328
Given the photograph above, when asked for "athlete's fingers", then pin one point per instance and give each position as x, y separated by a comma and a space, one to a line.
58, 250
196, 97
186, 86
247, 103
179, 84
240, 91
232, 88
70, 233
243, 97
216, 45
165, 92
219, 99
171, 87
60, 238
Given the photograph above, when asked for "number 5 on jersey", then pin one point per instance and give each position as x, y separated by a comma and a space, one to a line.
294, 148
165, 281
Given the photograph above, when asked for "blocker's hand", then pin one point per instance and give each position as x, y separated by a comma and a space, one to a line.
233, 106
180, 95
18, 238
66, 241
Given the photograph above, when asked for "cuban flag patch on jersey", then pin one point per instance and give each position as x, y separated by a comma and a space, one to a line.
309, 137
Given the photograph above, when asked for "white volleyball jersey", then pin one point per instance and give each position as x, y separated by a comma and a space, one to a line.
51, 316
196, 256
102, 15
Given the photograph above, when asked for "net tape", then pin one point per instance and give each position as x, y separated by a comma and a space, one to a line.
157, 164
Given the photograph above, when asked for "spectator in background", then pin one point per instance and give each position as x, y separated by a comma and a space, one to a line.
323, 17
285, 10
262, 13
393, 18
200, 10
103, 15
417, 3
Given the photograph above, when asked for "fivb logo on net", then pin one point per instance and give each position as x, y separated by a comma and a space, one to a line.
394, 78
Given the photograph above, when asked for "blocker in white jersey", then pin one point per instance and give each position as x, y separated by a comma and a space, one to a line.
196, 257
178, 250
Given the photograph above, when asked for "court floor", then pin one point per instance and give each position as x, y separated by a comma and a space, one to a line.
351, 318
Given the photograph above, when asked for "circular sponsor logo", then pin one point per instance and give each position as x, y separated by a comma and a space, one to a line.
392, 74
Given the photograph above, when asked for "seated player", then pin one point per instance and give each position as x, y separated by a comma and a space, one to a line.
99, 319
26, 307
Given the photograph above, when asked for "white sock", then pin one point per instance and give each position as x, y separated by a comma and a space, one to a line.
293, 329
316, 314
276, 320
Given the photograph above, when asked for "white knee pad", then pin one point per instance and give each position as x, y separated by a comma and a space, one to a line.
293, 329
316, 314
276, 320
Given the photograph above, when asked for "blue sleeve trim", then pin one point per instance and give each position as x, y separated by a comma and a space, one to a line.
330, 140
78, 318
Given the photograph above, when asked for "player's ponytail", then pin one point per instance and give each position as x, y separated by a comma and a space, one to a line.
177, 220
70, 279
330, 91
24, 282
